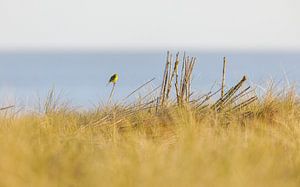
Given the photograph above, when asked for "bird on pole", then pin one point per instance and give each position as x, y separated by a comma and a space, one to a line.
113, 79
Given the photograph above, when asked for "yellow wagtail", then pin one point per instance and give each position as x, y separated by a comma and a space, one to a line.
113, 79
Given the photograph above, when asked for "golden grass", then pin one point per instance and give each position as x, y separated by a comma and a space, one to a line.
236, 140
172, 147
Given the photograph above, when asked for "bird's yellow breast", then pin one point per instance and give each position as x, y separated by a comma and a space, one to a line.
114, 78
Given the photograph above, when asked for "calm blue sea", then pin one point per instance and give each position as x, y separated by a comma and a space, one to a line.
81, 77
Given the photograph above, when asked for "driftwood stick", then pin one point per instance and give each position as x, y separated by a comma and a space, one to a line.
138, 88
7, 107
174, 72
245, 103
165, 80
163, 87
240, 95
176, 79
223, 77
229, 94
181, 79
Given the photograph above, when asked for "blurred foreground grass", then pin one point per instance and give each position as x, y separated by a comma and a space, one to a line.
172, 147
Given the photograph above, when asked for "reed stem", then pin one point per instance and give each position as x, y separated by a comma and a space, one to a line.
112, 92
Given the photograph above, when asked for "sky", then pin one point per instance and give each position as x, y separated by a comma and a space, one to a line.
150, 24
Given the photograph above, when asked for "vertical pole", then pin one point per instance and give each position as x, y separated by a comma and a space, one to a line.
112, 92
223, 77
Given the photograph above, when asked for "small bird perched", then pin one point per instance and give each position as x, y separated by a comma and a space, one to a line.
113, 79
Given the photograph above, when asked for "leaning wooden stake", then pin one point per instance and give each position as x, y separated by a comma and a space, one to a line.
223, 77
229, 94
7, 107
165, 80
176, 79
172, 75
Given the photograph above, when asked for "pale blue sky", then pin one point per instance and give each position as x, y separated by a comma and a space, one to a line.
151, 24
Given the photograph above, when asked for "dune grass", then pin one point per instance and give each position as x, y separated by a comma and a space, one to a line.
180, 142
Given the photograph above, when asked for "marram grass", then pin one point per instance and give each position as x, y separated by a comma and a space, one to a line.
171, 147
